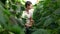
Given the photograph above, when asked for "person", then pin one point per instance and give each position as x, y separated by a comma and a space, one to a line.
28, 15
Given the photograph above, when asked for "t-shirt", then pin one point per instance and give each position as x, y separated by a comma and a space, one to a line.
26, 15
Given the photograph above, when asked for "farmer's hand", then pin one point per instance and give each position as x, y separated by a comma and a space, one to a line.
28, 25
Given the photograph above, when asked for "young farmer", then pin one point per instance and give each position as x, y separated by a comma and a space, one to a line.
28, 14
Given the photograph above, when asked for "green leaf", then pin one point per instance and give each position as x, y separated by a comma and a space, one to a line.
41, 31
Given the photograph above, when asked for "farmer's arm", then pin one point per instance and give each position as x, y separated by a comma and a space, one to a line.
31, 22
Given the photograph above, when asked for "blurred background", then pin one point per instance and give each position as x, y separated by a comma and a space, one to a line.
46, 17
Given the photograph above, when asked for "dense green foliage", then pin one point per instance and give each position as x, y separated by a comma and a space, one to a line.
46, 17
49, 16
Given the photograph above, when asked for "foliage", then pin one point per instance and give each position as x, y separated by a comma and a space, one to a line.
46, 17
49, 16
